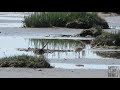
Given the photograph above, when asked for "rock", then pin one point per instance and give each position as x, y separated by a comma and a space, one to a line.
92, 32
77, 24
88, 36
86, 32
39, 70
104, 25
65, 35
80, 65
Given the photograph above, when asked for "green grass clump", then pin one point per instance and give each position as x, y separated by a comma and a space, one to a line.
24, 61
64, 19
109, 54
108, 39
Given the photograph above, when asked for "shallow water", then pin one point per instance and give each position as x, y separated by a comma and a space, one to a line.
9, 46
11, 19
114, 22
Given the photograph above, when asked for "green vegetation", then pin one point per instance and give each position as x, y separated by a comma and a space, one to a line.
64, 19
108, 39
109, 54
61, 43
24, 61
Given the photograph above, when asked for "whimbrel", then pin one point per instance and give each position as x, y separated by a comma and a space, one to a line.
80, 48
40, 51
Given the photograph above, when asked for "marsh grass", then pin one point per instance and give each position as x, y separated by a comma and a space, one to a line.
109, 54
61, 19
108, 39
52, 43
24, 61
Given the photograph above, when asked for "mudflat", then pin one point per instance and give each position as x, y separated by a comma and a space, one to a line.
51, 73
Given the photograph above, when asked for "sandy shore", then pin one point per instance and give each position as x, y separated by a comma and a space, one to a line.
37, 31
51, 73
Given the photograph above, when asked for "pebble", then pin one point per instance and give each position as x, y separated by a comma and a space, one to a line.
80, 65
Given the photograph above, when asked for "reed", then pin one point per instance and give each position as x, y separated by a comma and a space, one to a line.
61, 19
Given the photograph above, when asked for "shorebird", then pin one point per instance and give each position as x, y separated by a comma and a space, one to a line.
80, 48
40, 51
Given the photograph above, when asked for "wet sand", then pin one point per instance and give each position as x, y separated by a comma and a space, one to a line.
42, 32
82, 61
37, 31
51, 73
